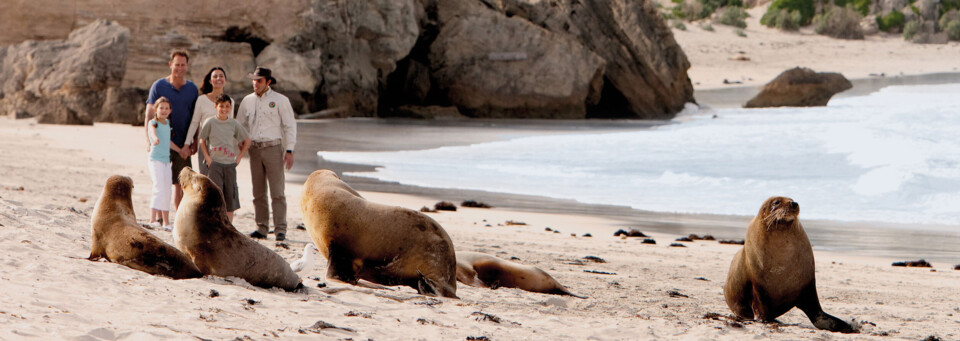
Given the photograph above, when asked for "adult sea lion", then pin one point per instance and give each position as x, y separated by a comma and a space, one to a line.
382, 244
481, 270
774, 271
208, 237
118, 238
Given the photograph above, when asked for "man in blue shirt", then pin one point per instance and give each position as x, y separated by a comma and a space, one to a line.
183, 95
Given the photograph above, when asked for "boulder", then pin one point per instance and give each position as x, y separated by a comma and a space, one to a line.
493, 66
123, 105
64, 82
887, 6
358, 44
800, 87
235, 58
295, 71
929, 9
645, 75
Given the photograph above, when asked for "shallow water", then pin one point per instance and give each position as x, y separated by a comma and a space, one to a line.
891, 156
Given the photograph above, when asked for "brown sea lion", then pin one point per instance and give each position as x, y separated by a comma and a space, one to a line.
206, 235
774, 271
481, 270
118, 238
382, 244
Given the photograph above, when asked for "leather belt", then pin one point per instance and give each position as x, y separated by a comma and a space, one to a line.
266, 144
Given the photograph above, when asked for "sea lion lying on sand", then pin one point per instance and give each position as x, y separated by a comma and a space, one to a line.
382, 244
481, 270
774, 271
208, 237
118, 238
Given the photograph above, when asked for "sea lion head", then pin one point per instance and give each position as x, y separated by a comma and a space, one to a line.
200, 189
118, 186
117, 190
778, 212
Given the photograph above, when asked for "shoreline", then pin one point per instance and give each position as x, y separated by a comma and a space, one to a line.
892, 242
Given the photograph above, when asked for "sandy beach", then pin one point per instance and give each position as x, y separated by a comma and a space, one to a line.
640, 291
52, 176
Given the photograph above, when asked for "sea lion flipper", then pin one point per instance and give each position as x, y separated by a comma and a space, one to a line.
340, 265
809, 303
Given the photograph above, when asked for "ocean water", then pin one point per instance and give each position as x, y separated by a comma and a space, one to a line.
890, 156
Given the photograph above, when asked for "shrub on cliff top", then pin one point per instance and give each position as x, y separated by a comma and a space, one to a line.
861, 6
804, 7
733, 16
785, 21
953, 30
892, 22
947, 17
910, 29
839, 22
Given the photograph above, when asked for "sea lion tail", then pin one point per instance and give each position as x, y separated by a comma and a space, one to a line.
562, 291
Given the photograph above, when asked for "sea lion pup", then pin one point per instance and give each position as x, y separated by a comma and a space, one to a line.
118, 238
774, 271
206, 235
382, 244
481, 270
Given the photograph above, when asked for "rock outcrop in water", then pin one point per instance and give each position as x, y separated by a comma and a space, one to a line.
800, 87
486, 58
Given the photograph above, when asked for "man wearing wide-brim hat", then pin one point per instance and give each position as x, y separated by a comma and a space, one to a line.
268, 117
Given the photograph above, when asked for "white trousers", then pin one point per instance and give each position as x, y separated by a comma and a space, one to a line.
160, 172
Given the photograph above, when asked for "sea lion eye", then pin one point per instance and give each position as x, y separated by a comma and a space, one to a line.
776, 203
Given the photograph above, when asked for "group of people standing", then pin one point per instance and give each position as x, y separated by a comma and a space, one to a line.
182, 120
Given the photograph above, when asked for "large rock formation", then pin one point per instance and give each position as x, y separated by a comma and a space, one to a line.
800, 87
67, 81
488, 58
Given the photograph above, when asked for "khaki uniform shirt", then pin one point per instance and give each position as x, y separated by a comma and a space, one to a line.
268, 117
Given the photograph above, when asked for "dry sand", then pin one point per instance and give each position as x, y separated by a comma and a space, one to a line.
651, 291
765, 52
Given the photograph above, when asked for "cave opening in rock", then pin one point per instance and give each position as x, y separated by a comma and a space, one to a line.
612, 104
411, 82
253, 34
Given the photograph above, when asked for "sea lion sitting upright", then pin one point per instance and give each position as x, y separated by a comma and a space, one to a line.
480, 270
383, 244
774, 271
118, 238
208, 237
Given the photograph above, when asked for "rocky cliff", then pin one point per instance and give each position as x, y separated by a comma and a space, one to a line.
483, 58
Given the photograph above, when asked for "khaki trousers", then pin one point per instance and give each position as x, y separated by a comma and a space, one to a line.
266, 168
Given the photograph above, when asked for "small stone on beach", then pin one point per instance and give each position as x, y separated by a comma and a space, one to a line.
677, 245
684, 239
427, 210
913, 264
632, 233
732, 242
445, 206
213, 293
475, 204
649, 241
513, 222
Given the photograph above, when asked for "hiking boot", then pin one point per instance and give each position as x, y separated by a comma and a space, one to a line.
281, 237
257, 235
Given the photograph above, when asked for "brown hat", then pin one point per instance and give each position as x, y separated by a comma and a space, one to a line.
262, 72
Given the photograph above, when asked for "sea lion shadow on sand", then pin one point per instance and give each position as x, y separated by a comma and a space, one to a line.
206, 235
774, 271
383, 244
117, 237
486, 271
